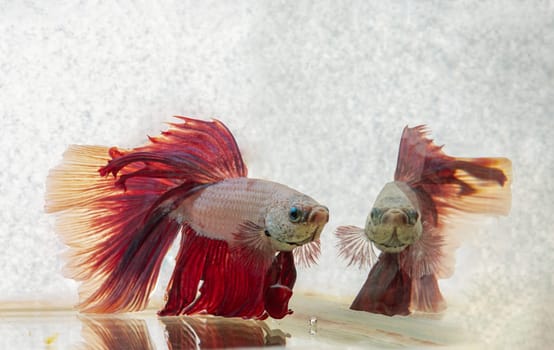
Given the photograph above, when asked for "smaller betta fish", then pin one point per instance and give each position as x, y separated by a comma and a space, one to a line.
121, 209
412, 223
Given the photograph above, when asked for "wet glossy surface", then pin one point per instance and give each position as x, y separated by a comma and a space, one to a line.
316, 323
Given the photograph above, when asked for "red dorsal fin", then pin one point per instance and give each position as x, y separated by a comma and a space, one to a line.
117, 227
195, 151
476, 185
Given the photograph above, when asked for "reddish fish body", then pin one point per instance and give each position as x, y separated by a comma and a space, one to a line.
217, 210
408, 223
237, 234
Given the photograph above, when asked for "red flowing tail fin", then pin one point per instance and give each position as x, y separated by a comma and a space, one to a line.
118, 228
387, 289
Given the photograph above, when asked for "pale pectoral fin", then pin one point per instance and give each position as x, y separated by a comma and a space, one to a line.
308, 254
355, 246
251, 244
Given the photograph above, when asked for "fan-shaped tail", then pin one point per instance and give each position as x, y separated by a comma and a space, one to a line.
119, 228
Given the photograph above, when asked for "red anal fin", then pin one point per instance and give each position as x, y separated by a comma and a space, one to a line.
387, 289
229, 287
189, 266
279, 283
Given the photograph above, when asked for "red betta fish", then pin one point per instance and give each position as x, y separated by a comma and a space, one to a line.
411, 223
237, 234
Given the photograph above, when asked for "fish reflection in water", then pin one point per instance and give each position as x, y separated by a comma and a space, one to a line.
109, 332
217, 332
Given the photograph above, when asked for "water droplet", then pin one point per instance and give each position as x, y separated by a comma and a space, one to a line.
312, 330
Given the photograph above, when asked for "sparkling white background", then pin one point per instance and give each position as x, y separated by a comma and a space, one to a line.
317, 94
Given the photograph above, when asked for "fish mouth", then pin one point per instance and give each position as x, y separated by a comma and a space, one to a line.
392, 245
304, 241
318, 215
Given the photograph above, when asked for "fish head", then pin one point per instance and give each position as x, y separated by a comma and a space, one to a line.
394, 222
294, 220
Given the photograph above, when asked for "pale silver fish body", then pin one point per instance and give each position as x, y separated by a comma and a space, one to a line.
219, 211
394, 222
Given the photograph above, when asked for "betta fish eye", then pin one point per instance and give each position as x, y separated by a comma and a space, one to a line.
375, 214
295, 214
413, 215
